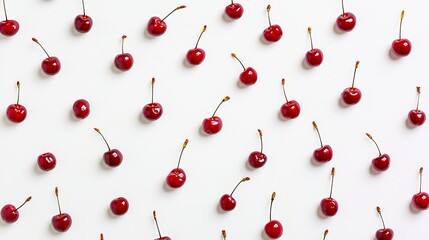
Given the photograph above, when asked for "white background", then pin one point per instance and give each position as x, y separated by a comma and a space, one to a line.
213, 164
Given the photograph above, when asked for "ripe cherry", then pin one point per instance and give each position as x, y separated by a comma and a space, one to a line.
346, 21
227, 202
290, 109
119, 206
382, 162
273, 228
10, 214
50, 65
417, 117
248, 76
329, 206
313, 57
81, 108
421, 199
401, 47
61, 222
83, 22
257, 159
157, 26
177, 177
384, 233
273, 33
196, 55
124, 61
113, 157
8, 27
157, 227
152, 111
46, 161
352, 95
214, 124
16, 113
324, 153
325, 234
234, 10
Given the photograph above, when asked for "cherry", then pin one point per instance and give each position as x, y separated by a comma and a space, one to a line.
83, 22
421, 199
8, 27
249, 75
61, 222
196, 55
346, 21
157, 26
329, 206
273, 228
417, 117
352, 95
290, 109
10, 214
324, 153
214, 124
313, 57
384, 233
124, 61
152, 111
157, 227
119, 206
113, 157
46, 161
382, 162
227, 202
257, 159
325, 234
177, 177
81, 109
401, 47
273, 33
50, 65
234, 10
16, 113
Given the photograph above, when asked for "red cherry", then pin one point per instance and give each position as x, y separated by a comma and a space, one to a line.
177, 177
119, 206
257, 159
417, 117
113, 157
234, 10
401, 47
382, 162
313, 57
273, 228
16, 113
157, 26
157, 227
152, 111
249, 75
214, 124
273, 33
352, 95
50, 65
46, 161
290, 109
124, 61
329, 206
81, 108
8, 27
346, 21
83, 22
61, 222
196, 55
420, 200
227, 202
324, 153
384, 233
10, 214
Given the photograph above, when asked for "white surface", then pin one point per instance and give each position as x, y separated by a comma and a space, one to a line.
213, 164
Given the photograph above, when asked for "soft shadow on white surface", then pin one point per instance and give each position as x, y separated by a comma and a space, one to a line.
52, 230
337, 30
305, 65
75, 33
147, 35
167, 188
374, 172
114, 69
392, 55
342, 104
39, 171
7, 122
264, 41
42, 75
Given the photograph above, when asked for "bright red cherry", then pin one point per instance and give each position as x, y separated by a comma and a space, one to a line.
257, 159
382, 162
196, 55
113, 157
8, 27
10, 214
324, 153
417, 117
313, 57
214, 124
157, 26
124, 61
157, 227
401, 47
152, 111
119, 206
329, 206
273, 228
290, 109
81, 109
352, 95
177, 177
50, 65
273, 33
384, 233
83, 22
46, 161
61, 222
234, 10
227, 202
421, 199
248, 76
346, 21
16, 113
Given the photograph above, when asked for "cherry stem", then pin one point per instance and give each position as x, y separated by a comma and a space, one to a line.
179, 7
224, 234
260, 137
26, 200
37, 41
235, 56
284, 91
4, 8
318, 133
370, 137
325, 234
421, 176
342, 5
400, 24
332, 181
381, 216
19, 90
153, 83
58, 199
83, 6
271, 205
98, 130
223, 100
101, 236
418, 98
181, 152
201, 34
268, 12
354, 74
242, 180
311, 38
123, 39
156, 222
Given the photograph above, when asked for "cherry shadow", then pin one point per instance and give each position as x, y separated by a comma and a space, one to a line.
315, 163
110, 214
264, 41
413, 209
114, 69
392, 55
167, 188
248, 167
52, 230
220, 210
37, 170
186, 64
282, 118
305, 65
104, 166
409, 125
7, 122
202, 133
226, 19
75, 33
73, 118
320, 215
337, 30
342, 104
241, 85
144, 120
264, 236
42, 75
373, 171
146, 34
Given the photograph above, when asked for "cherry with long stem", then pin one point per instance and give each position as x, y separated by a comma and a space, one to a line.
4, 8
223, 100
58, 200
238, 184
284, 91
181, 153
153, 84
123, 40
260, 138
381, 217
157, 227
400, 24
372, 139
311, 38
235, 56
318, 133
19, 90
199, 37
418, 98
420, 179
177, 8
99, 132
273, 196
37, 41
354, 73
332, 181
83, 7
268, 13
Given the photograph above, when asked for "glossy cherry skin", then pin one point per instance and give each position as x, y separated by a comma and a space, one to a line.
248, 76
156, 26
227, 202
124, 61
16, 113
195, 56
323, 154
234, 10
274, 229
401, 47
176, 178
381, 163
314, 57
212, 125
329, 206
273, 33
83, 23
61, 222
416, 117
346, 21
351, 95
163, 238
384, 234
152, 111
421, 200
51, 65
119, 206
290, 109
9, 213
81, 108
9, 27
113, 158
257, 159
46, 161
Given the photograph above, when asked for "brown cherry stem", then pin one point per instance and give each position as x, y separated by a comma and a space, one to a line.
318, 133
179, 7
400, 24
260, 137
201, 34
224, 234
421, 176
235, 56
311, 38
418, 98
153, 83
181, 152
156, 222
123, 40
37, 41
98, 130
284, 91
58, 199
342, 6
332, 181
325, 234
268, 12
381, 216
19, 90
354, 74
101, 236
223, 100
242, 180
26, 201
273, 195
4, 8
370, 137
83, 7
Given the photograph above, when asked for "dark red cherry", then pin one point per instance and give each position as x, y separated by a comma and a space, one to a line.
234, 10
124, 61
157, 227
401, 47
249, 75
273, 33
214, 124
152, 111
81, 109
329, 206
227, 202
313, 57
8, 27
177, 177
46, 161
157, 26
346, 21
352, 95
417, 117
382, 162
83, 22
113, 157
16, 113
384, 233
10, 214
196, 56
420, 200
290, 109
273, 228
62, 221
50, 65
119, 206
324, 153
257, 159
